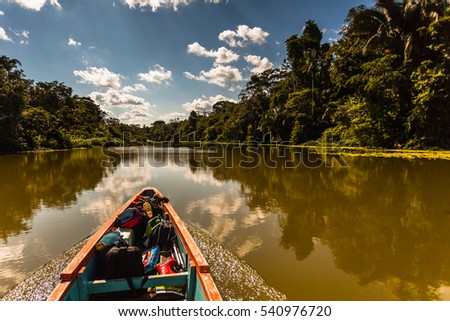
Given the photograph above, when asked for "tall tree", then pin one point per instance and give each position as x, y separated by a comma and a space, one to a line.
13, 99
430, 118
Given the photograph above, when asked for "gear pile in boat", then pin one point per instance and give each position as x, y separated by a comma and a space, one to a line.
142, 242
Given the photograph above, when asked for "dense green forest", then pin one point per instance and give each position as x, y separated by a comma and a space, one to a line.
48, 115
384, 83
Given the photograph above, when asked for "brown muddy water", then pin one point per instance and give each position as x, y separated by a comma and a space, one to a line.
274, 224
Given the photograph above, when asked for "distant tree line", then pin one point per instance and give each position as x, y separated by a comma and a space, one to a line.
47, 115
384, 83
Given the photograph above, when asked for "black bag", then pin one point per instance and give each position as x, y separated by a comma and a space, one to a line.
162, 234
108, 241
123, 262
139, 230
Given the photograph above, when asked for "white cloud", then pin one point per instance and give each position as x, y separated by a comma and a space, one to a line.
25, 35
4, 36
234, 88
136, 109
157, 75
260, 64
222, 55
135, 87
73, 42
117, 101
85, 60
2, 13
100, 77
204, 104
136, 116
218, 75
22, 36
156, 4
243, 36
116, 98
171, 116
37, 5
55, 4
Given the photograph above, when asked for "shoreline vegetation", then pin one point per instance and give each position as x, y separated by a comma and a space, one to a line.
384, 84
348, 151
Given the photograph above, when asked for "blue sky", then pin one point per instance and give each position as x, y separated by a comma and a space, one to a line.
148, 60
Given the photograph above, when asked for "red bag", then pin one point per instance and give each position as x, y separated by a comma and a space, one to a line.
132, 222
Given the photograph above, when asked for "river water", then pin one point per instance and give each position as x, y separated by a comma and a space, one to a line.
273, 223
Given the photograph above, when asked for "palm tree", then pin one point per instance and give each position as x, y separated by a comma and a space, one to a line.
394, 27
310, 68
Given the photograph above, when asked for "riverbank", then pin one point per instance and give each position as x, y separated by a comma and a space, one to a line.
319, 149
384, 153
334, 150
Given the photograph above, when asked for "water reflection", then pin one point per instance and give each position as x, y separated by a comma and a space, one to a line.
384, 220
363, 229
37, 194
54, 179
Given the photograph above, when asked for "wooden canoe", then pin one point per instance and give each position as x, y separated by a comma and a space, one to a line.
78, 281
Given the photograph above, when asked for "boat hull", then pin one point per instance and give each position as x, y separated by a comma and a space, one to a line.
79, 282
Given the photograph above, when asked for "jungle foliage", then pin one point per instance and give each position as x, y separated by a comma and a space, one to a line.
384, 83
47, 115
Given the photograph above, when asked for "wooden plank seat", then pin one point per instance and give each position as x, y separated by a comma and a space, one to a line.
88, 288
139, 282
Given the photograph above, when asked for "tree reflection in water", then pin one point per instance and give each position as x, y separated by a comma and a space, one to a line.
384, 220
51, 179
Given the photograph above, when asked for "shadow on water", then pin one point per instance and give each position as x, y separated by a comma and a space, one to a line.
238, 281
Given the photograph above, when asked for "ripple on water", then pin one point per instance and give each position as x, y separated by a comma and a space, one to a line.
39, 285
234, 278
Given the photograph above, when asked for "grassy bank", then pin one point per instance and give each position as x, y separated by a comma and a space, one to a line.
333, 150
385, 153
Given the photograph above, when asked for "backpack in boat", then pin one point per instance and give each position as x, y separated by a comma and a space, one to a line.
129, 218
156, 204
162, 234
139, 230
123, 262
154, 221
109, 240
157, 209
